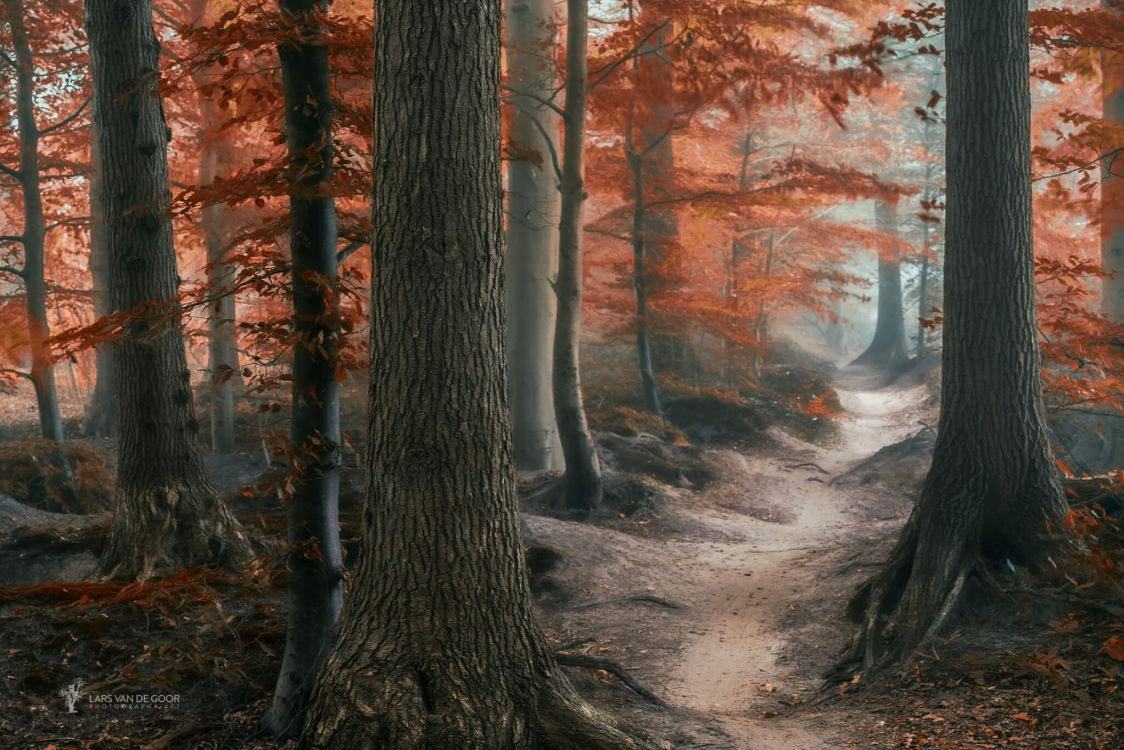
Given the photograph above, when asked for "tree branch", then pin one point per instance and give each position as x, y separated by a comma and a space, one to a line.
66, 120
546, 138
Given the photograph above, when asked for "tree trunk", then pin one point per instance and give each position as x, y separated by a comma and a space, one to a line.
1112, 186
923, 280
648, 380
532, 240
34, 230
669, 350
101, 412
439, 646
167, 515
582, 481
315, 560
992, 488
223, 368
888, 347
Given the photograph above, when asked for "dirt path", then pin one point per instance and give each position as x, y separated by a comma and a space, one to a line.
740, 592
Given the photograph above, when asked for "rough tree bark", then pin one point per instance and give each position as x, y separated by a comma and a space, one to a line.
889, 346
34, 230
532, 235
438, 646
1112, 184
992, 489
100, 419
167, 515
582, 481
315, 561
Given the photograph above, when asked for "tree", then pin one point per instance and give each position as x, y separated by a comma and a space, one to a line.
1112, 183
439, 645
100, 419
34, 233
992, 489
315, 559
888, 348
582, 482
532, 236
167, 515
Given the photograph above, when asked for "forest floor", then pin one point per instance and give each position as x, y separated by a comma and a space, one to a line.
753, 566
717, 576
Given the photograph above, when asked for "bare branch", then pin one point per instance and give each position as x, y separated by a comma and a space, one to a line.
66, 120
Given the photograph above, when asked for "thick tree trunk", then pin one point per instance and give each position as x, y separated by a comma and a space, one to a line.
1112, 186
439, 646
532, 237
992, 488
167, 515
34, 230
315, 561
889, 347
101, 412
582, 481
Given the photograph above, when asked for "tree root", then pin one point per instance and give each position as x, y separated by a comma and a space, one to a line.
607, 665
638, 597
568, 723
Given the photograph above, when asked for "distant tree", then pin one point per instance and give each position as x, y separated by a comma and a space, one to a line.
532, 230
101, 415
582, 481
888, 348
167, 514
1112, 184
315, 560
992, 489
439, 645
33, 237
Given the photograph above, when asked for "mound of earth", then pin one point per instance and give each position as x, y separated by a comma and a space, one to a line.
31, 471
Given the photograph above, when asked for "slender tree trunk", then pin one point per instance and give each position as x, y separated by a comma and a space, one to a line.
223, 368
1112, 185
923, 280
439, 646
582, 481
659, 224
167, 515
101, 412
648, 380
761, 325
888, 347
992, 489
315, 559
532, 236
34, 230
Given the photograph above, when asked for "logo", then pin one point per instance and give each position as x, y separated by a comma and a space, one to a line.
71, 694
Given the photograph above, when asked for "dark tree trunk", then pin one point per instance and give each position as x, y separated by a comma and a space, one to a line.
167, 515
889, 347
532, 236
101, 412
315, 561
34, 230
992, 488
1112, 187
649, 384
582, 482
439, 646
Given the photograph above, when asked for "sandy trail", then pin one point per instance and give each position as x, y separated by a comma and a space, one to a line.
728, 666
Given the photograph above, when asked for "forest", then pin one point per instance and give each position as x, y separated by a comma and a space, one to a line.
561, 374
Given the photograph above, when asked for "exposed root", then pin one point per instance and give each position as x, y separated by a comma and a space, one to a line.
607, 665
568, 723
639, 597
